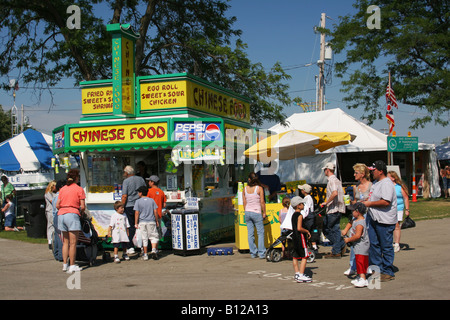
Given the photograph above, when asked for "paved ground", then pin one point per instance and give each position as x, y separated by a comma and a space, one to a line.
28, 271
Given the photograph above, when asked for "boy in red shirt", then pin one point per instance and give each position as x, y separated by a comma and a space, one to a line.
158, 195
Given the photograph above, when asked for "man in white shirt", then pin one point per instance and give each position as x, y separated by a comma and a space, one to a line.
335, 209
381, 220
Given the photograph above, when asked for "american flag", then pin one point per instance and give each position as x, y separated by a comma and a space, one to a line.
391, 102
390, 95
390, 118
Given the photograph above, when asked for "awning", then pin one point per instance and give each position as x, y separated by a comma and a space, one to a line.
28, 151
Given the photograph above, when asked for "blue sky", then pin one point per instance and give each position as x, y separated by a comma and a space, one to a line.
274, 31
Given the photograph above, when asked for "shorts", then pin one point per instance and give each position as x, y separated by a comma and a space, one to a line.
10, 220
124, 245
362, 263
149, 231
69, 222
300, 249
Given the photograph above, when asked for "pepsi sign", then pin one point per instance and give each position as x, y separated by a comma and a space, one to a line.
202, 131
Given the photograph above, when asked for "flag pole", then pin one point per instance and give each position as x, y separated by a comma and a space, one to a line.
389, 125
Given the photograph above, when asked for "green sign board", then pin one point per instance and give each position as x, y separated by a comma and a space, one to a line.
403, 144
123, 81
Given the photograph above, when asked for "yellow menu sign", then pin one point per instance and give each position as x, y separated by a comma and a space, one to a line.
96, 100
189, 94
119, 134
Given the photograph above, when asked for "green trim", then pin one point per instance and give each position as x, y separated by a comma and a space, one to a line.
95, 83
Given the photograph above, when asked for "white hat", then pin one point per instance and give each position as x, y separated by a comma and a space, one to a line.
306, 187
329, 165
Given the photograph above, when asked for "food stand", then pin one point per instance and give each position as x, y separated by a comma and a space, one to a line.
185, 129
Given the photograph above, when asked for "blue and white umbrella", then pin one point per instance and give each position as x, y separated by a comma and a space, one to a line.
28, 151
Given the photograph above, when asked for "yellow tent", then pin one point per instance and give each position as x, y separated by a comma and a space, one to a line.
296, 143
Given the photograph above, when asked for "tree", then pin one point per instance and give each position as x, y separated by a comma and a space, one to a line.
175, 36
5, 124
412, 41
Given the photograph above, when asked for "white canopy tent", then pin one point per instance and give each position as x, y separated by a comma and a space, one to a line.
367, 140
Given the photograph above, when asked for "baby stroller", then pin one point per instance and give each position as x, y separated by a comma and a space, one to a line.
87, 242
313, 223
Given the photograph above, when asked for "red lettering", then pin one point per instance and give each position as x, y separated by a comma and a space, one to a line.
75, 134
104, 135
112, 134
151, 132
160, 132
141, 133
132, 133
121, 134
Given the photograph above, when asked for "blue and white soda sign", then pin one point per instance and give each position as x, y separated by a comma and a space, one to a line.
202, 131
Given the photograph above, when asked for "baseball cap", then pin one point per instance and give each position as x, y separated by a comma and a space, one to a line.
379, 165
153, 178
142, 190
358, 206
329, 165
295, 201
306, 187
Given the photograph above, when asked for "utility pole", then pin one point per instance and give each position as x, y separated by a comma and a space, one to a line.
321, 64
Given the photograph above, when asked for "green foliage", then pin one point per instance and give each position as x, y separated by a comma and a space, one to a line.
412, 44
175, 36
5, 124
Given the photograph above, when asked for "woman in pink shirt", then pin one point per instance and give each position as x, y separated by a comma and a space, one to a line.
70, 205
255, 213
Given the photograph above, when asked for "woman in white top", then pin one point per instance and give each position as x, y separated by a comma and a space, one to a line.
49, 196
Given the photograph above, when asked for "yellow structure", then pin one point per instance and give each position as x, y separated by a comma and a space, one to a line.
271, 226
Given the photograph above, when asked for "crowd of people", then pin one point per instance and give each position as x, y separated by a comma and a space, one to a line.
373, 234
380, 202
140, 208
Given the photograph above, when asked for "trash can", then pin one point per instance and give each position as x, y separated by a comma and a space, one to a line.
33, 209
185, 232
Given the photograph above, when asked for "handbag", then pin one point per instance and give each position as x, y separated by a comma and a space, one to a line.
408, 223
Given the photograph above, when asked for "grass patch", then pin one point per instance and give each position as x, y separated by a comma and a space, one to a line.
423, 209
21, 235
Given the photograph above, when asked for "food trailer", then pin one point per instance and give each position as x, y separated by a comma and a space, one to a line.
186, 130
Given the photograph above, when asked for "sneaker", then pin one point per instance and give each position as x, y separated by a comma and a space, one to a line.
73, 268
116, 260
361, 283
302, 278
126, 257
145, 257
154, 255
130, 251
355, 281
396, 247
64, 269
350, 272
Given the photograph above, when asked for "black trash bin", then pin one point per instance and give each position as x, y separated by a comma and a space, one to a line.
33, 209
185, 232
